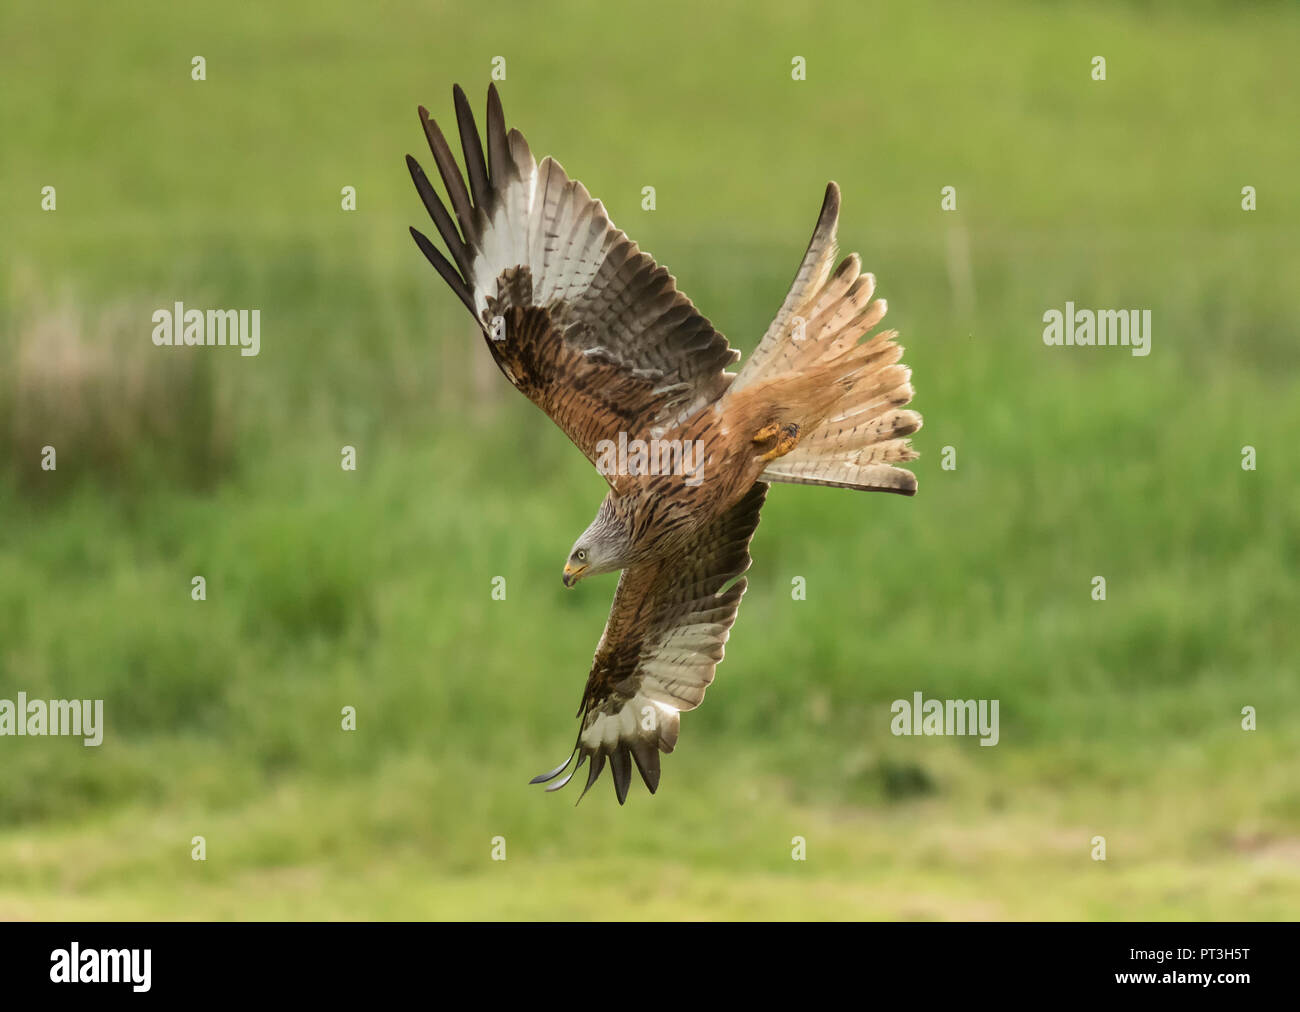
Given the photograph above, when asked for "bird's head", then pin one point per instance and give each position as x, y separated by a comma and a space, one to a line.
601, 548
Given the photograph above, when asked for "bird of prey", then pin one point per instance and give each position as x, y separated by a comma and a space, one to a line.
599, 337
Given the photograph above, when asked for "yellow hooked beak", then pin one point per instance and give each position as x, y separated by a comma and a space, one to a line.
572, 573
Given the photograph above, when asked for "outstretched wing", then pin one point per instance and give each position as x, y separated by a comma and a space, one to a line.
664, 638
591, 329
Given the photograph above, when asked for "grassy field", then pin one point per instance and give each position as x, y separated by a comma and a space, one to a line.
372, 589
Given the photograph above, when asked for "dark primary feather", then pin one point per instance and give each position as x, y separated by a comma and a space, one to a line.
452, 180
446, 270
470, 144
620, 768
499, 160
542, 778
597, 766
647, 761
574, 772
441, 219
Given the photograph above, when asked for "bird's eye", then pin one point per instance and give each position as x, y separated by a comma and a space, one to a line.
582, 554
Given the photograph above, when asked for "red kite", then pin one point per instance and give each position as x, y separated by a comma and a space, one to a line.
597, 335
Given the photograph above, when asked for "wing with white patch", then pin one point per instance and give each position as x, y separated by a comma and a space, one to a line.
591, 329
664, 639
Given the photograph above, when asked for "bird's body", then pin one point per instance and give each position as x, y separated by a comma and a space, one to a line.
598, 336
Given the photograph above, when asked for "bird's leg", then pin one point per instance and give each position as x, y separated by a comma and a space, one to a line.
783, 438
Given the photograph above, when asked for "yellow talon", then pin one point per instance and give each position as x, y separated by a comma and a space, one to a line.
787, 437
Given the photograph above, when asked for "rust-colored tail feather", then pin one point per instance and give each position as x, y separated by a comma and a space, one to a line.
849, 395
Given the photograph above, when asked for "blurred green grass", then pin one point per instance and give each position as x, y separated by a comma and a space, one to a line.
372, 589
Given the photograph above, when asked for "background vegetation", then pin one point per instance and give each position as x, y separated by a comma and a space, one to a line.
372, 589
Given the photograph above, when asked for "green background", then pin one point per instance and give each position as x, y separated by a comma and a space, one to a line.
372, 589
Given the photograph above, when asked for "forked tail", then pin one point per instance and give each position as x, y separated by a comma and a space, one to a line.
851, 425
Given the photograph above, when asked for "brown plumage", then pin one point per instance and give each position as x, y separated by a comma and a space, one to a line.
597, 335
